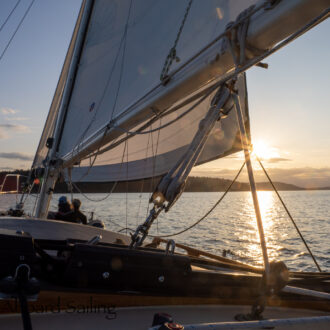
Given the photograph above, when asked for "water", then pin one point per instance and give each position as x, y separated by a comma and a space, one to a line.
231, 226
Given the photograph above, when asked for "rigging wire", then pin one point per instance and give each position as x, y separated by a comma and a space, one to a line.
170, 122
142, 185
208, 212
172, 55
154, 166
259, 58
157, 116
114, 144
256, 59
91, 199
126, 186
227, 76
200, 219
8, 17
122, 42
140, 200
185, 113
289, 214
36, 200
150, 183
17, 28
113, 187
122, 61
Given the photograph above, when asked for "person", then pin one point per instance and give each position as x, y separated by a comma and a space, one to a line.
65, 211
64, 207
78, 215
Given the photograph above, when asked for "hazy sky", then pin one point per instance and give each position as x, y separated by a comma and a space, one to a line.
289, 102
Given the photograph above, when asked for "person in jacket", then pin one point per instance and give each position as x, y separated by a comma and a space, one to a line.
78, 215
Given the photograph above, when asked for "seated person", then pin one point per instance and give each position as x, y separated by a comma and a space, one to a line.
78, 215
65, 212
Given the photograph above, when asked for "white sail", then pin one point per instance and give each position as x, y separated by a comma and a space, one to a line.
49, 127
123, 49
155, 153
123, 56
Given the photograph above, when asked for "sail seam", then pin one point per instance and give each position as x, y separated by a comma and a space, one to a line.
246, 66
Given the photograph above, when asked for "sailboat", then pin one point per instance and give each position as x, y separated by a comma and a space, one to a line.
150, 89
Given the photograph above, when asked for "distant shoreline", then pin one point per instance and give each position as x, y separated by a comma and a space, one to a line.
194, 184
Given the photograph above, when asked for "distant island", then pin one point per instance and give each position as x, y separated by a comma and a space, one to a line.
194, 184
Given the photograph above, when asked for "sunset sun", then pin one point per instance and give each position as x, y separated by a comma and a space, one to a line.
262, 150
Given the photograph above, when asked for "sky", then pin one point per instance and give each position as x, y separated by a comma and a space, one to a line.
289, 102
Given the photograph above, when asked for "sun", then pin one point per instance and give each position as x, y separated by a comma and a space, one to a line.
262, 150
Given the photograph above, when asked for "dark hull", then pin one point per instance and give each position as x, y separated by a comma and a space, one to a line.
75, 273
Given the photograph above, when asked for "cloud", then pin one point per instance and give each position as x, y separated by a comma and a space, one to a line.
16, 155
8, 111
277, 160
16, 128
16, 118
304, 176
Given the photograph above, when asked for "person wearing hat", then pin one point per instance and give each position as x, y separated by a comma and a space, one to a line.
64, 208
78, 215
64, 205
65, 211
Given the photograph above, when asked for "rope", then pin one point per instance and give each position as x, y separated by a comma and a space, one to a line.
249, 63
208, 212
173, 120
122, 42
94, 200
289, 214
139, 131
142, 185
123, 228
244, 67
154, 164
70, 187
196, 222
18, 26
239, 61
113, 187
6, 20
36, 200
154, 119
172, 54
126, 195
222, 35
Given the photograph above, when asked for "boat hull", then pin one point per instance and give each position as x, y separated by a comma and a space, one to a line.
74, 273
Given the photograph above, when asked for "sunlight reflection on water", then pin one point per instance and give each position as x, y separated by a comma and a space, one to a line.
231, 226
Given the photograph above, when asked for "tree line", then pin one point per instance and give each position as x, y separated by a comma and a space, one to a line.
193, 184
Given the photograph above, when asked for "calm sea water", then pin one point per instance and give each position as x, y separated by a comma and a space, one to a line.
231, 226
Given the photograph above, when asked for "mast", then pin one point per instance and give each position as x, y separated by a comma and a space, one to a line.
52, 164
245, 146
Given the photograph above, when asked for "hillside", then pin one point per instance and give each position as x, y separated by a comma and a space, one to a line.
194, 184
